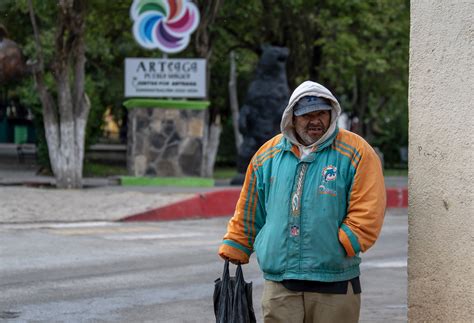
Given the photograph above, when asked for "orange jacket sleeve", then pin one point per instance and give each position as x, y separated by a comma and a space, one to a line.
246, 222
367, 201
250, 214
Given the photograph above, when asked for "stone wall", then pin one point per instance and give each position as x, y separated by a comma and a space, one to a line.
441, 171
165, 142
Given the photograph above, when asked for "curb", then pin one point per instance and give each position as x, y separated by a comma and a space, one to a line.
222, 203
397, 197
167, 181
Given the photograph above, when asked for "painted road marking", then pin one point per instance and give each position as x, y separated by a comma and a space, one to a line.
81, 224
48, 225
105, 230
153, 236
397, 263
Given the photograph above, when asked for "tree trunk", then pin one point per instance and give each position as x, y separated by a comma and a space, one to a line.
211, 144
234, 103
65, 118
203, 45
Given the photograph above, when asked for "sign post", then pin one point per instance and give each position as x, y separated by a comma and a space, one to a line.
166, 136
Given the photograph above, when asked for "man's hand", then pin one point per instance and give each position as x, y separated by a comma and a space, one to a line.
235, 262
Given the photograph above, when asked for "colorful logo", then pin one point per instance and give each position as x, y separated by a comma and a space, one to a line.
164, 24
295, 231
329, 173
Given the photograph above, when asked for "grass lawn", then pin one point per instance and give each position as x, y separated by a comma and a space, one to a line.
93, 169
103, 170
395, 172
224, 172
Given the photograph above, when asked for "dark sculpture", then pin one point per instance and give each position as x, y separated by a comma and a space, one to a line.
12, 62
267, 97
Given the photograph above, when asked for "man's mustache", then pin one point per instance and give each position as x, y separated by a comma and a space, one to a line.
317, 125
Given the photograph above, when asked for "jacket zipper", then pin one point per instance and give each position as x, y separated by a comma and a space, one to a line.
297, 204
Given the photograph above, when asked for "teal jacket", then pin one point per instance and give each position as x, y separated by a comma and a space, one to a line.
308, 218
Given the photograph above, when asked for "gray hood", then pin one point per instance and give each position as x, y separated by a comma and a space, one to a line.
304, 89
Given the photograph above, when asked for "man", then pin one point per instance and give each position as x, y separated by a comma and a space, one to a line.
313, 198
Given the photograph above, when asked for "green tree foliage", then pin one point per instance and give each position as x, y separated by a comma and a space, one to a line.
365, 60
14, 16
358, 49
108, 42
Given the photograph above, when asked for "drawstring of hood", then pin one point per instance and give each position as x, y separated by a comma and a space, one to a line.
308, 88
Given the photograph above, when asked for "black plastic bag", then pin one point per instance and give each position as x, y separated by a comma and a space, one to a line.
233, 298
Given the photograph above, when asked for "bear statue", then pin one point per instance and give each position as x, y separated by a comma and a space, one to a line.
265, 100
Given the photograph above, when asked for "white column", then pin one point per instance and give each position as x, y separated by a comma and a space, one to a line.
441, 162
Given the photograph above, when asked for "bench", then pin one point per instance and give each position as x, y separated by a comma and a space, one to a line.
25, 150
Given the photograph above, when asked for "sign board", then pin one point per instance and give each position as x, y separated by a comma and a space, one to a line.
165, 78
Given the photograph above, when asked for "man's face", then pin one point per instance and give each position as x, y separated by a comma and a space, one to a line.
312, 126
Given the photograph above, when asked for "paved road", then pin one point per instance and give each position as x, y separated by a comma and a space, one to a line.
155, 272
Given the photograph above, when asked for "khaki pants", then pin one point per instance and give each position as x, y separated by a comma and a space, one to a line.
284, 306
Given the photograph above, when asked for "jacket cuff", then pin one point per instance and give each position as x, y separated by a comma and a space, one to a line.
234, 251
348, 241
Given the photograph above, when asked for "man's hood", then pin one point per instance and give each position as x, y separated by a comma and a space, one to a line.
304, 89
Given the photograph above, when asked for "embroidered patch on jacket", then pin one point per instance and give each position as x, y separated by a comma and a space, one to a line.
325, 190
296, 196
329, 173
295, 231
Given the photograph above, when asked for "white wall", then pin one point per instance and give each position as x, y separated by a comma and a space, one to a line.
441, 162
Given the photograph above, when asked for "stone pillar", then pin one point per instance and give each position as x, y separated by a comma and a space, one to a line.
165, 137
441, 171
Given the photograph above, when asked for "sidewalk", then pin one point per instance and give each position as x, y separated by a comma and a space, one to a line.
27, 198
